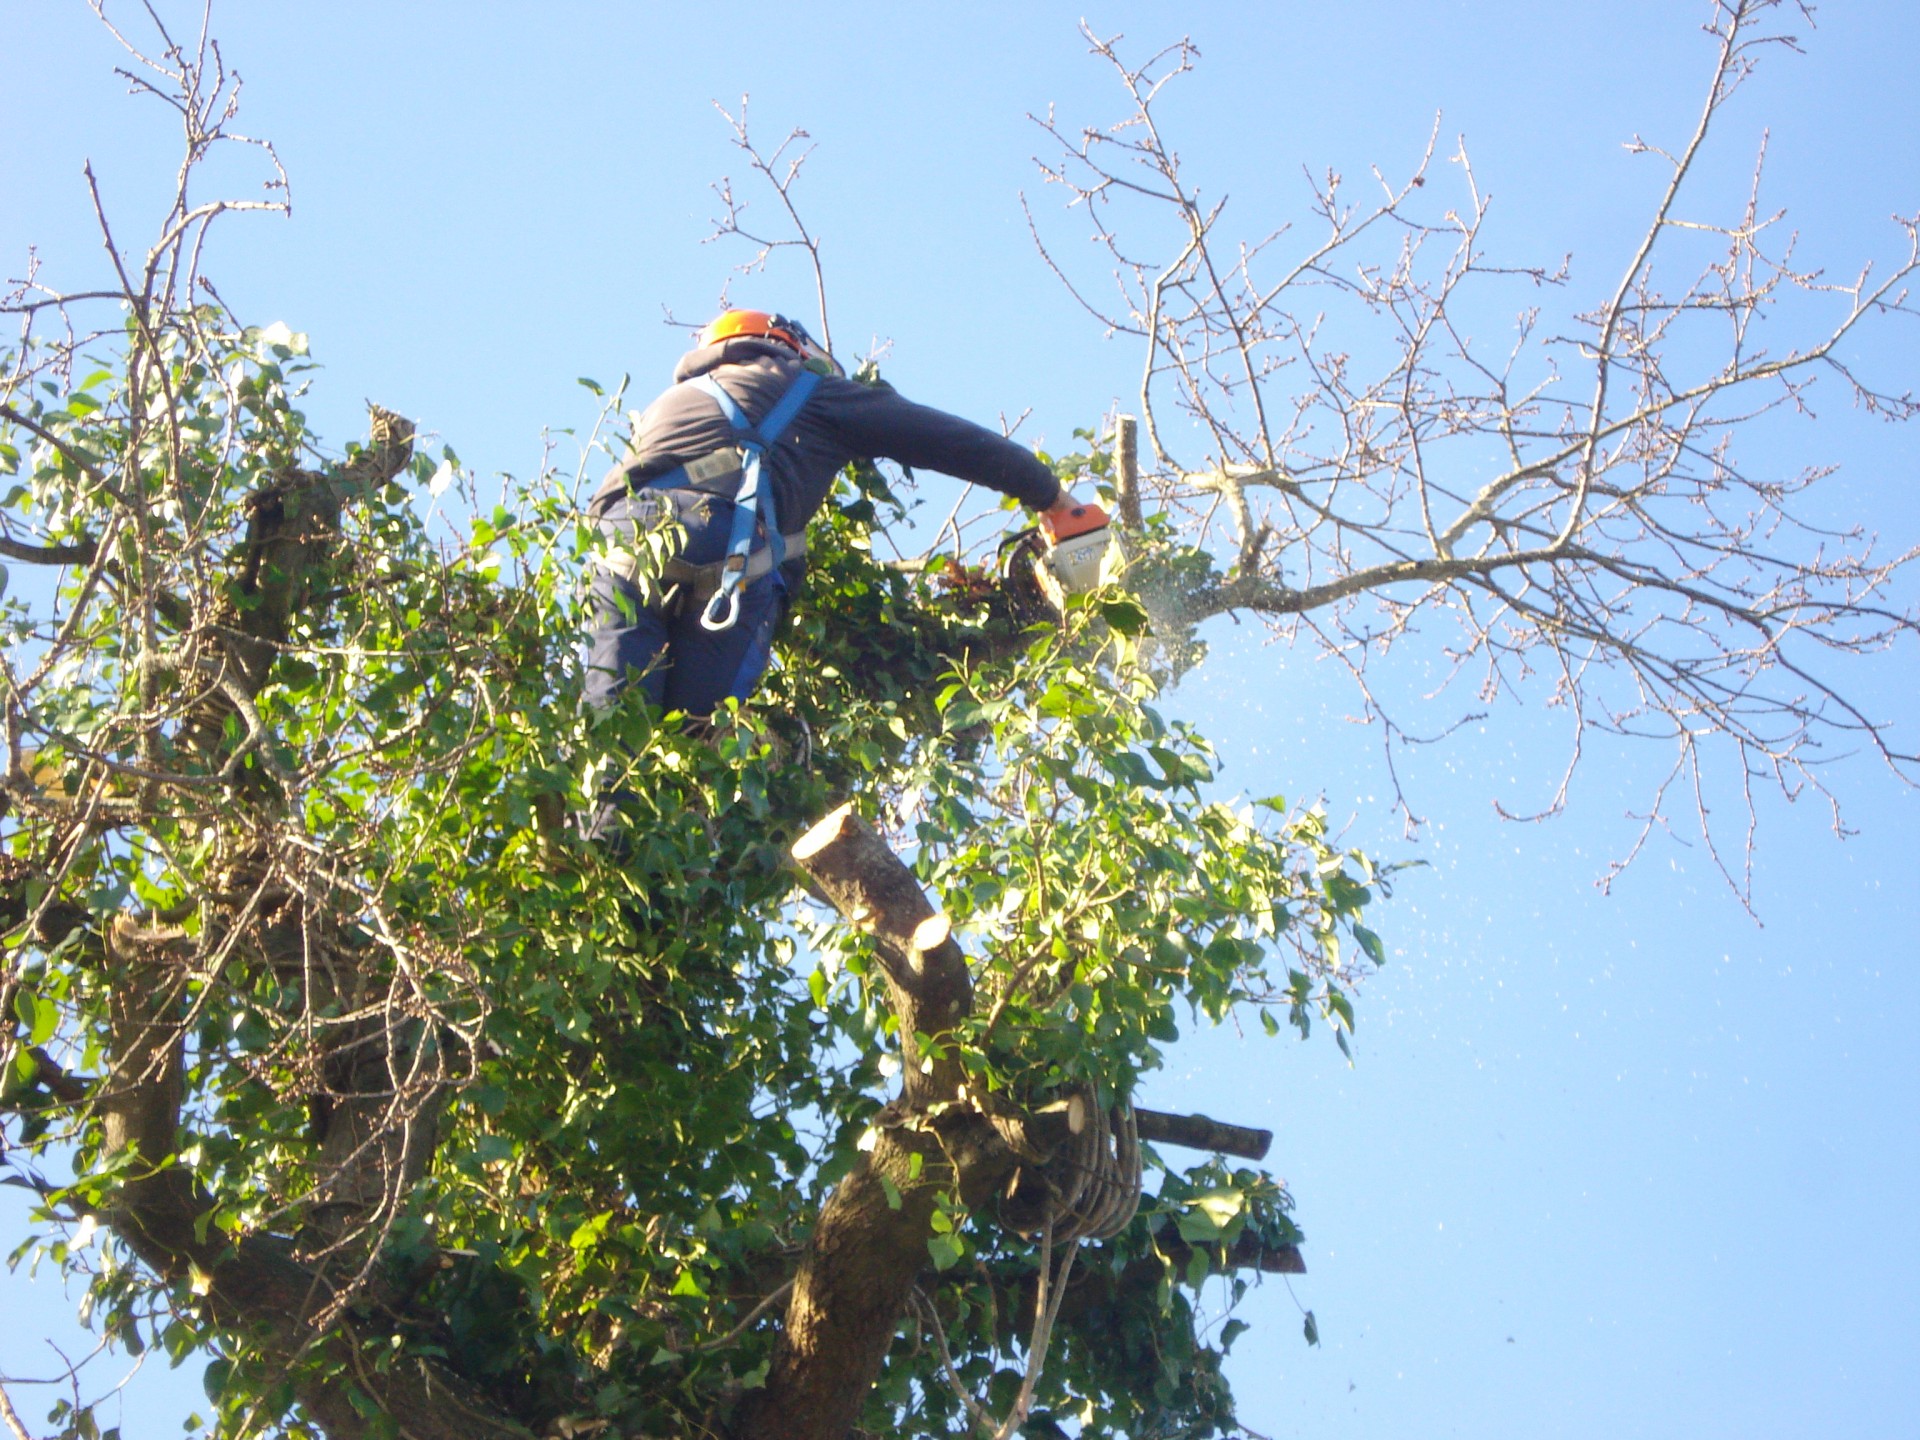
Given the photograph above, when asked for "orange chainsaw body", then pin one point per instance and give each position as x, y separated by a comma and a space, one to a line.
1078, 544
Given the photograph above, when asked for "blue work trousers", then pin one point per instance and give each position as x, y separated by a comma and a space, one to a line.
662, 647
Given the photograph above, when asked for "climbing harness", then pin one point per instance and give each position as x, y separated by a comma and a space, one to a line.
752, 503
716, 586
681, 583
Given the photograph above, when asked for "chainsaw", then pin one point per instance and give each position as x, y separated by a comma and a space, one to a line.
1082, 549
1072, 553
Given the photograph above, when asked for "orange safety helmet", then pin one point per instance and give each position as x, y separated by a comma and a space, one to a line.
764, 324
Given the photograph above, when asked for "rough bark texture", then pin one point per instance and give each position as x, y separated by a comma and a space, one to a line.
1126, 471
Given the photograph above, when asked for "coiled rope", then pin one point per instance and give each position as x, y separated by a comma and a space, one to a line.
1092, 1192
1095, 1178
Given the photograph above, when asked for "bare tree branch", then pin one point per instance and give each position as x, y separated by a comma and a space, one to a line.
780, 170
1623, 563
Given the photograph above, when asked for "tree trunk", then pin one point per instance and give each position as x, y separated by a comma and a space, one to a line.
870, 1243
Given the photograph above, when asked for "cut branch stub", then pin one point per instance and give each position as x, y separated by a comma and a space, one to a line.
934, 948
1249, 1252
857, 873
1126, 474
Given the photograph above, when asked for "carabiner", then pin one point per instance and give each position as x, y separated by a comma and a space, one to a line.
730, 594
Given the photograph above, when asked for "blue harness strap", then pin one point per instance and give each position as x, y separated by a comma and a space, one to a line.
753, 502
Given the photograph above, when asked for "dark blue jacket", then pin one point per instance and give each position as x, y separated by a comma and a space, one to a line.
843, 421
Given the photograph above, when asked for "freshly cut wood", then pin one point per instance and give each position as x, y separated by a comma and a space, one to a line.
933, 946
821, 835
853, 869
860, 876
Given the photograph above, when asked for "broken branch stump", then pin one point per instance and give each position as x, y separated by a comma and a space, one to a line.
1199, 1132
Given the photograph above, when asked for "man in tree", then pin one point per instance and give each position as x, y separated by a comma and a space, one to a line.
739, 455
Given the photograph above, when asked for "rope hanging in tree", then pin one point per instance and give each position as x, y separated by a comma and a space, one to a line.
1089, 1188
1092, 1184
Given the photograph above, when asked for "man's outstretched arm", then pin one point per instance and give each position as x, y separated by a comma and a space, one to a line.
876, 420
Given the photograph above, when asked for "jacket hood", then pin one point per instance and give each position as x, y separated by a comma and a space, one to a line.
739, 350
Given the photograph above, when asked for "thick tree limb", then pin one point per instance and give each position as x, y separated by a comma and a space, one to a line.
858, 873
1126, 471
81, 553
855, 1277
870, 1243
255, 1285
1199, 1132
1098, 1286
858, 1271
12, 1418
869, 1246
1246, 1253
293, 539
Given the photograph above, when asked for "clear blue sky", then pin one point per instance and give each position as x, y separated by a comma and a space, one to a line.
1606, 1166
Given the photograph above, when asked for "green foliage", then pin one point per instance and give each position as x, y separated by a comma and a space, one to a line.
639, 1070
